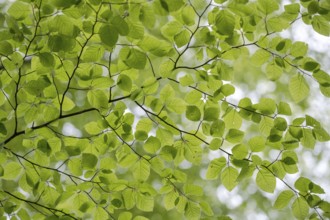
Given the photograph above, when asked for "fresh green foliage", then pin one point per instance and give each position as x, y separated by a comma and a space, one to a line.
115, 109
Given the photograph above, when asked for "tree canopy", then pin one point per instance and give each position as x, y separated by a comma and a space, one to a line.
147, 109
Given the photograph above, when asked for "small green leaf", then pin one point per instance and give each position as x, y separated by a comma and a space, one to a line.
240, 151
217, 128
268, 6
232, 119
266, 106
225, 22
227, 90
120, 25
321, 25
206, 208
216, 144
284, 108
68, 104
44, 147
6, 48
152, 145
192, 190
273, 71
141, 170
257, 143
283, 199
211, 113
47, 59
266, 181
300, 208
280, 124
3, 129
299, 49
311, 65
108, 35
192, 211
228, 178
19, 10
234, 136
89, 160
186, 80
124, 82
136, 59
308, 139
182, 38
298, 87
12, 171
215, 167
260, 57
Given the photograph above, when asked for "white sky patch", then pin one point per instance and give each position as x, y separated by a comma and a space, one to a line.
70, 130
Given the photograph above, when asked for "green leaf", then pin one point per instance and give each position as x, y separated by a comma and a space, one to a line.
166, 68
6, 48
217, 128
19, 10
12, 171
93, 53
120, 25
308, 139
228, 178
192, 211
227, 90
321, 134
192, 190
268, 6
298, 88
211, 113
273, 71
240, 151
140, 135
215, 167
89, 160
44, 147
232, 119
322, 77
234, 136
266, 181
321, 25
3, 129
260, 57
176, 105
267, 106
280, 124
299, 49
152, 145
284, 108
216, 144
136, 59
257, 143
206, 208
141, 170
100, 213
47, 59
188, 15
193, 113
58, 43
225, 23
124, 82
182, 38
108, 35
300, 208
97, 98
311, 65
125, 216
283, 199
